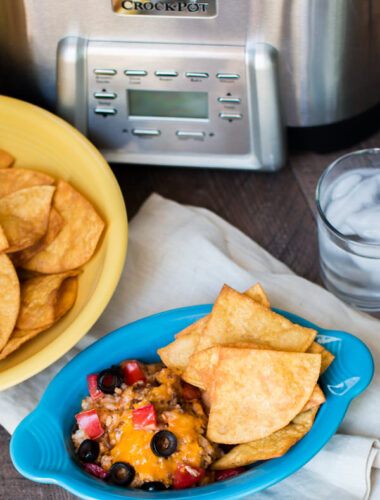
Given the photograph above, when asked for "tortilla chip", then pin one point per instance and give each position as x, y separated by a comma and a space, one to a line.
270, 387
6, 159
200, 373
256, 292
18, 338
9, 298
176, 355
327, 357
316, 399
196, 328
275, 445
3, 240
77, 240
40, 296
236, 318
13, 179
206, 401
201, 365
24, 216
200, 368
67, 295
55, 224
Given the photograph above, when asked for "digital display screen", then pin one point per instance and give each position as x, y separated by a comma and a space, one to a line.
166, 104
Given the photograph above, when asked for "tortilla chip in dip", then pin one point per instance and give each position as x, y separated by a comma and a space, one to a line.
200, 373
176, 350
77, 240
316, 399
327, 357
195, 328
237, 318
9, 298
257, 392
256, 292
176, 355
24, 216
275, 445
201, 365
200, 368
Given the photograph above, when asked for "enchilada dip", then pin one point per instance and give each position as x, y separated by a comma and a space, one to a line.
143, 427
254, 395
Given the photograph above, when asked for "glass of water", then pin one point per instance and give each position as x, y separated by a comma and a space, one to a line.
348, 203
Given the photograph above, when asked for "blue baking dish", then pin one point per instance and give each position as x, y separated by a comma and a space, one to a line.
41, 447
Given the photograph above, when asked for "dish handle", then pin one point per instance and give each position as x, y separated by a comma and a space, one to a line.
37, 447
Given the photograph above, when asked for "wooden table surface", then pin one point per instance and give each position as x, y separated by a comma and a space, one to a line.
276, 210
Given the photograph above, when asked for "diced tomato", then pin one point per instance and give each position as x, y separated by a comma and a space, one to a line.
92, 382
221, 475
89, 422
187, 475
96, 470
190, 392
132, 372
145, 418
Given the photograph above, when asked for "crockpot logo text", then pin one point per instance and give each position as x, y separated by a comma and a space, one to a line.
165, 6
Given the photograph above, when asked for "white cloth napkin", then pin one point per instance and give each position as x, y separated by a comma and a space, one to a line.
180, 256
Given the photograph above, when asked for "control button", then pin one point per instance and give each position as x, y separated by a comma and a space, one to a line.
105, 111
135, 72
227, 76
105, 95
196, 75
230, 116
182, 133
105, 72
166, 73
230, 100
145, 131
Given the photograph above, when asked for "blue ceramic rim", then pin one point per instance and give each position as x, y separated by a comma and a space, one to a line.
267, 474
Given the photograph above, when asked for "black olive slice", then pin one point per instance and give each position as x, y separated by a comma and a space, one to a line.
153, 486
108, 380
118, 369
163, 444
88, 451
122, 473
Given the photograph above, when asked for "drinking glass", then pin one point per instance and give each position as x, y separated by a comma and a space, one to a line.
348, 207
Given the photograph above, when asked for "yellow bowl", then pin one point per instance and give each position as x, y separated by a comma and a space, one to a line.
41, 141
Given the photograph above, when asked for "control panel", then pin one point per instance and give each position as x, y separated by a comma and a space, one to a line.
155, 98
167, 103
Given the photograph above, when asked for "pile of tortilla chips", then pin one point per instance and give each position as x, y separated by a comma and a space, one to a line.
47, 232
258, 373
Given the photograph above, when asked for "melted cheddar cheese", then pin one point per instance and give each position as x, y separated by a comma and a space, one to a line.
121, 442
134, 446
